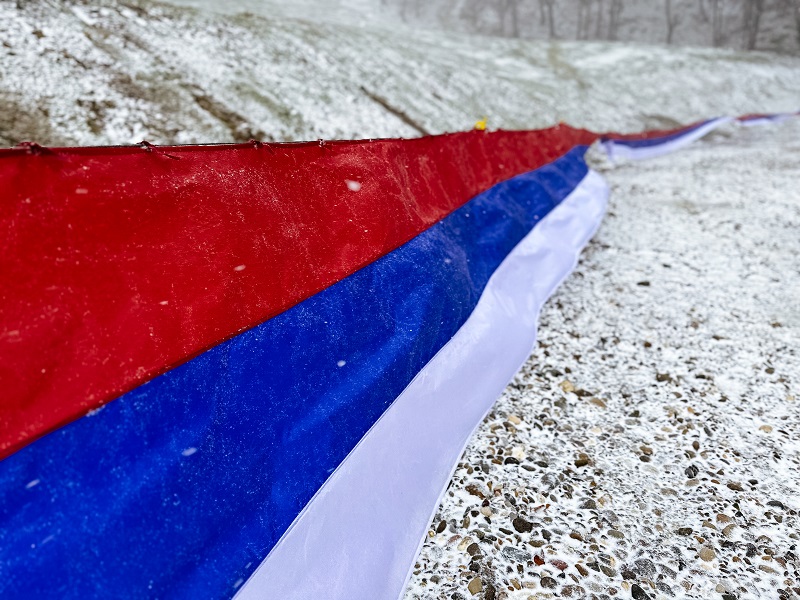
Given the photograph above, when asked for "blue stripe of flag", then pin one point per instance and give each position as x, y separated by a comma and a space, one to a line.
181, 487
657, 141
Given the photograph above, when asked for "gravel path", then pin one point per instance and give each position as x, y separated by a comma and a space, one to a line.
650, 446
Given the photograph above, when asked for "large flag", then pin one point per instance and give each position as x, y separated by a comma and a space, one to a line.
250, 369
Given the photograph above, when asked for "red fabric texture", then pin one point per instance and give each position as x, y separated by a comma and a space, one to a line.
121, 263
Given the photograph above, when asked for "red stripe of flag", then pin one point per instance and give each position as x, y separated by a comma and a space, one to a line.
121, 263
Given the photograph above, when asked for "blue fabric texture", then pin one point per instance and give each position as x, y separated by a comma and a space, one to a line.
657, 141
181, 487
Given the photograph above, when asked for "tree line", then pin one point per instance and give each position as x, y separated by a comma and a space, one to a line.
742, 24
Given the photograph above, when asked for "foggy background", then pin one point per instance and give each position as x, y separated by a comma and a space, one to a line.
741, 24
772, 25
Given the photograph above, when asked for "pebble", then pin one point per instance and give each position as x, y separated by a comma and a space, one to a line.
645, 568
548, 583
637, 593
490, 592
475, 586
515, 554
559, 564
608, 571
707, 554
521, 525
474, 490
573, 591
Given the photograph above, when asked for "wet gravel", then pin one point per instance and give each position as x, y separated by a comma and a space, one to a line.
650, 446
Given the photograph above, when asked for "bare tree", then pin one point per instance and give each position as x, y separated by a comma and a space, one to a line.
598, 32
501, 9
546, 13
584, 19
515, 17
704, 12
717, 36
797, 18
673, 19
509, 17
449, 13
470, 14
753, 10
614, 19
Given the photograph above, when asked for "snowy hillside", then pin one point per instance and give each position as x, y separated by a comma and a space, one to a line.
650, 446
115, 72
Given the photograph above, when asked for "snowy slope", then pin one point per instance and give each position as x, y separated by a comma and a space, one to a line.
121, 71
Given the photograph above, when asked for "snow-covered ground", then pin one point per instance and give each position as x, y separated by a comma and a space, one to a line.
119, 71
653, 438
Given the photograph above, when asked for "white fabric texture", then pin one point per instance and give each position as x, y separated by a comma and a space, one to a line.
357, 538
621, 150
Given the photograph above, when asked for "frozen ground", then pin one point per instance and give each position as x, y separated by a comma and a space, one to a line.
652, 440
650, 448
